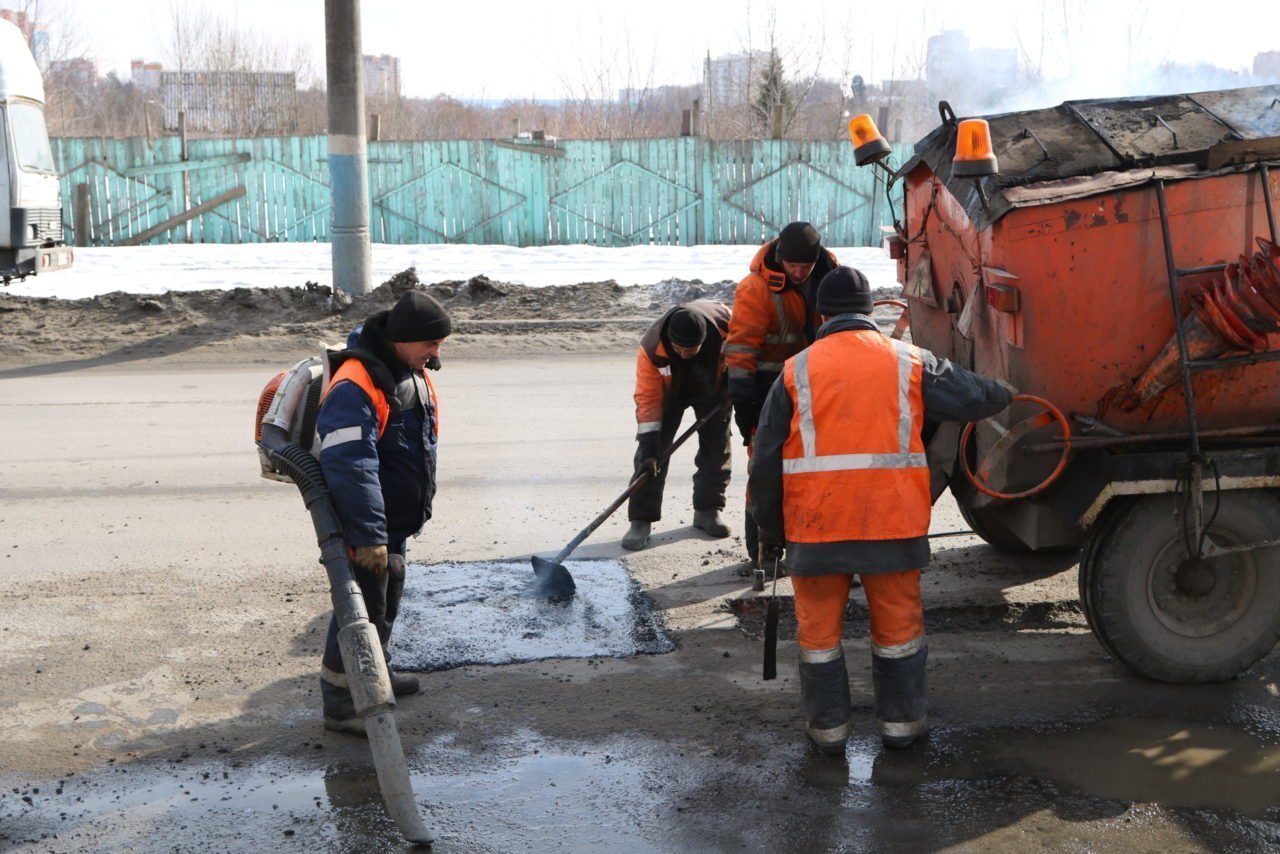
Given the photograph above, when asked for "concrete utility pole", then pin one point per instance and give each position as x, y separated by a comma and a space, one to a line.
348, 149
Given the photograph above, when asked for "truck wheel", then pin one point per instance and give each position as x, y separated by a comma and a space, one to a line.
1100, 532
1177, 621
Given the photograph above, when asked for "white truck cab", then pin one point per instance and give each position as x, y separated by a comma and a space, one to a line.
31, 239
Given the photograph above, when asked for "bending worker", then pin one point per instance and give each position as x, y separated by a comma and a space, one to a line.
377, 432
680, 364
773, 319
839, 477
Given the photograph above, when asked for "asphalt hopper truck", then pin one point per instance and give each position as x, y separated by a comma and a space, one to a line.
1117, 261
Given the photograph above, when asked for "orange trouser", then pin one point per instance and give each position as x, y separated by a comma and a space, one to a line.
897, 613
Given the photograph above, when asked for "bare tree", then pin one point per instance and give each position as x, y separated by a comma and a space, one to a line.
610, 99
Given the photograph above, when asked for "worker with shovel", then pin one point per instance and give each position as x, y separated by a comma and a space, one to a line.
377, 431
773, 319
839, 477
680, 364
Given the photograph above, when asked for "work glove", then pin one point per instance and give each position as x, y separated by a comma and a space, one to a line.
746, 416
769, 553
433, 363
649, 466
372, 558
649, 444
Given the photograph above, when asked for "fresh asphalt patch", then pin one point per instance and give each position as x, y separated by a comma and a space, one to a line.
455, 614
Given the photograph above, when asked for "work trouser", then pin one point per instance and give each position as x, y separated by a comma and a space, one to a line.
713, 461
898, 655
382, 592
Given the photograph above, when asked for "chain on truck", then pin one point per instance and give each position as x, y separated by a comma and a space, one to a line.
31, 240
1117, 260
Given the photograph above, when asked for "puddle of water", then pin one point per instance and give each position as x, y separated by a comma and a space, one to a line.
485, 613
990, 788
1172, 763
549, 800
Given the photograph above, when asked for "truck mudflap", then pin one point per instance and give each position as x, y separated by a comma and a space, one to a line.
34, 260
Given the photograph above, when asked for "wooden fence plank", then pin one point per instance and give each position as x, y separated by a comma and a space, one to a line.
680, 191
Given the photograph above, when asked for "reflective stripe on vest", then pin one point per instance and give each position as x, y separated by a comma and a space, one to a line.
812, 461
353, 370
853, 463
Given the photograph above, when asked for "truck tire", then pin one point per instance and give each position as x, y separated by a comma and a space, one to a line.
1174, 621
1100, 532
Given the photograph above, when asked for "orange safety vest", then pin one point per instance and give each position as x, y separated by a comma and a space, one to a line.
853, 464
768, 322
353, 370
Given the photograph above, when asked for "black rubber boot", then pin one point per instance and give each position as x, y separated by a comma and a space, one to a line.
404, 683
710, 522
824, 694
902, 698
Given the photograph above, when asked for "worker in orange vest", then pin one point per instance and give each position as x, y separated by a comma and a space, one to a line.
774, 317
680, 365
839, 478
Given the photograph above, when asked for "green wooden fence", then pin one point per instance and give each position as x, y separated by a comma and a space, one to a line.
681, 192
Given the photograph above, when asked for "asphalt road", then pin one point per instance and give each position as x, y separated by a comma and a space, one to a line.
163, 614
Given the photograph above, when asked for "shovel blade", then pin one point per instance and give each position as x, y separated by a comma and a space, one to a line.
553, 582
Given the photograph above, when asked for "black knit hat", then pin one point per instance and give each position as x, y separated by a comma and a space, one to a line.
798, 243
844, 291
418, 317
686, 328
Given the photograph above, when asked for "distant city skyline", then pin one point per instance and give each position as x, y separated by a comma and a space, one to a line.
499, 50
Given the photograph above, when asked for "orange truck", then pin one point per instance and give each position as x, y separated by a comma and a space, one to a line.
1117, 261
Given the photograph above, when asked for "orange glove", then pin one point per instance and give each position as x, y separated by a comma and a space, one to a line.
372, 558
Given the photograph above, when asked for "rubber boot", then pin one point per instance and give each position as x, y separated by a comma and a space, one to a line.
636, 538
710, 522
824, 694
902, 699
404, 683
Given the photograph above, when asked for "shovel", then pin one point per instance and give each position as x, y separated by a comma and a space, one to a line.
771, 631
554, 583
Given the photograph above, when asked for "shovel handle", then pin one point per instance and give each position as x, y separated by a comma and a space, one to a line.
635, 484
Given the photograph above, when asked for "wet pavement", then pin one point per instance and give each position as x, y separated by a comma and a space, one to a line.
164, 617
1186, 786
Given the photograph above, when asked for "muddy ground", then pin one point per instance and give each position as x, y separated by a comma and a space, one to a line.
164, 612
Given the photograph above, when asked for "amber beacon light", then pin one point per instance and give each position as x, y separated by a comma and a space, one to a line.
974, 157
868, 145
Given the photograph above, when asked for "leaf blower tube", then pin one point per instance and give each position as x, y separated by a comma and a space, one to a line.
362, 657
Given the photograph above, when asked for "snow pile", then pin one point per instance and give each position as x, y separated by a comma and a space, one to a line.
158, 269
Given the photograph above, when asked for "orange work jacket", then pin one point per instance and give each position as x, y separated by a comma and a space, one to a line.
653, 362
768, 323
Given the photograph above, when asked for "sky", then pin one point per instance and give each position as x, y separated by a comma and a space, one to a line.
497, 49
